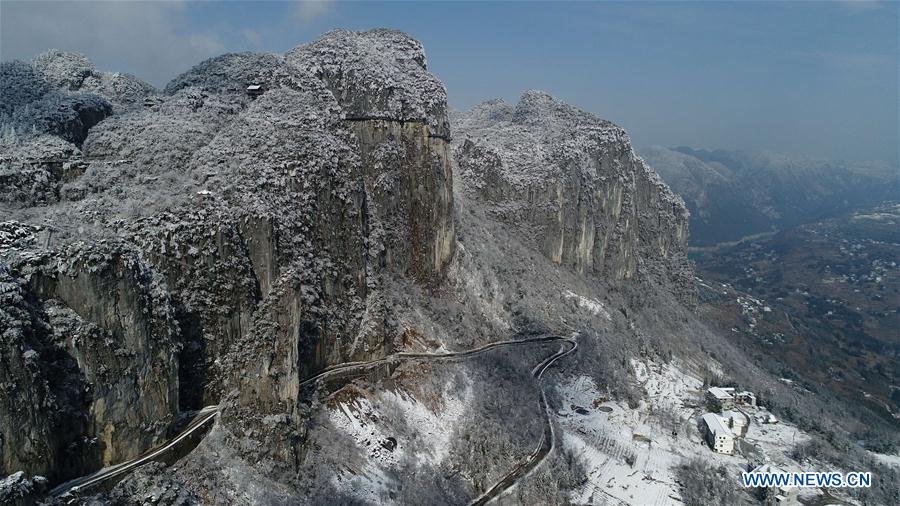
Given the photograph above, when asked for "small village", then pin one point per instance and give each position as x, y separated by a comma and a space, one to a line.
728, 419
730, 415
632, 455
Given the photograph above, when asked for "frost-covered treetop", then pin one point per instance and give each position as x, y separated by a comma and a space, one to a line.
61, 93
205, 143
378, 74
537, 111
540, 110
540, 136
67, 71
64, 69
233, 72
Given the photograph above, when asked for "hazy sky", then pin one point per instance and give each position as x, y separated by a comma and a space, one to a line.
801, 78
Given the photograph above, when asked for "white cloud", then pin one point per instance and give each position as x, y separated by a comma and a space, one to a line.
307, 11
147, 39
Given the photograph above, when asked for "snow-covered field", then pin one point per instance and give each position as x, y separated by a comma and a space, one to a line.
390, 430
629, 454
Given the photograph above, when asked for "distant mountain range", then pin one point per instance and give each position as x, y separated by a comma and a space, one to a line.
298, 277
734, 194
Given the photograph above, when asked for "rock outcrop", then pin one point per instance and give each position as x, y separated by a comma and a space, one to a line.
573, 183
88, 363
20, 490
62, 94
206, 241
398, 113
204, 245
47, 108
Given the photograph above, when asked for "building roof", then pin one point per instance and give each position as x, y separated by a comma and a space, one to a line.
721, 393
738, 417
715, 425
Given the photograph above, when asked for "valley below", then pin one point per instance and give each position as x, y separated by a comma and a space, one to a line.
299, 278
820, 300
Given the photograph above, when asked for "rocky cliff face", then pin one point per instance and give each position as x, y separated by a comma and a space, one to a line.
89, 363
398, 113
574, 184
264, 225
203, 245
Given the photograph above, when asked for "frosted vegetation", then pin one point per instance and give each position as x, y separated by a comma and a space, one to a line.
214, 247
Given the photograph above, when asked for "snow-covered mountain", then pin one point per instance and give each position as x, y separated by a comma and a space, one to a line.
294, 279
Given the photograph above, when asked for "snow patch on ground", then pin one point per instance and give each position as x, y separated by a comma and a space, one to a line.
891, 460
393, 429
593, 305
358, 420
433, 428
629, 454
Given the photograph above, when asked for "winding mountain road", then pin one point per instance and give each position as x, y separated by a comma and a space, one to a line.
546, 444
447, 355
201, 417
569, 345
205, 415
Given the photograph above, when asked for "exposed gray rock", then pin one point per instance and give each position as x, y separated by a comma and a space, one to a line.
19, 490
210, 246
67, 115
574, 184
378, 74
89, 359
264, 225
62, 94
146, 485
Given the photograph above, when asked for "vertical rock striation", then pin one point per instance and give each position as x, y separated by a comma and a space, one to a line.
88, 359
263, 227
398, 113
202, 245
573, 183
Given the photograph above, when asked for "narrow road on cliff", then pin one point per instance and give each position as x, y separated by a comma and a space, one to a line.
201, 418
569, 345
397, 357
205, 415
546, 444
